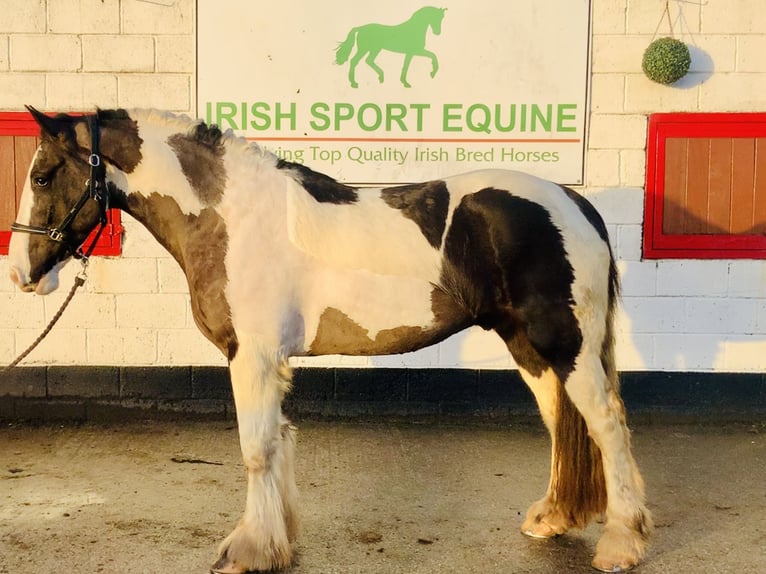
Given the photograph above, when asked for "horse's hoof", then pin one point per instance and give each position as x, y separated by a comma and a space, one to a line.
539, 535
223, 566
621, 547
245, 551
614, 563
615, 568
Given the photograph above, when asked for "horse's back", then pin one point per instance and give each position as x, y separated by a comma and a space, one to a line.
407, 230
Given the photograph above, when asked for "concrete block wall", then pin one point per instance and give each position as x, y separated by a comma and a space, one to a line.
684, 315
77, 54
677, 315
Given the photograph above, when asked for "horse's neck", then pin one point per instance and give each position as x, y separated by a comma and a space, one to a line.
159, 195
183, 214
421, 19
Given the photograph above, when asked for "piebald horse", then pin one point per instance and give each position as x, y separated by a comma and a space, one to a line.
283, 261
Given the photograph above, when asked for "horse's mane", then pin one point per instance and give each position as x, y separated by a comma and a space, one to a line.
209, 135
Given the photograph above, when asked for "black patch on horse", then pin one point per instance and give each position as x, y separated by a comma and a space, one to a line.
426, 204
120, 142
590, 213
506, 263
201, 156
595, 219
322, 187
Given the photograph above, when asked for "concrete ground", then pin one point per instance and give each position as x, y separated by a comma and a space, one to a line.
157, 497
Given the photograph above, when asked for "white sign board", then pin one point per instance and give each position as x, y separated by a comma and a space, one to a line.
398, 91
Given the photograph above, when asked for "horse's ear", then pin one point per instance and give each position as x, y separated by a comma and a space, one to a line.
59, 129
48, 125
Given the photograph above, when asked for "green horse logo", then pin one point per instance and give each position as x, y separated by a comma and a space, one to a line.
408, 38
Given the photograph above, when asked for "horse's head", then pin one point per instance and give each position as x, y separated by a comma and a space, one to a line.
435, 17
56, 211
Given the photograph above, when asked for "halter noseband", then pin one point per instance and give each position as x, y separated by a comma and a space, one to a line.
95, 188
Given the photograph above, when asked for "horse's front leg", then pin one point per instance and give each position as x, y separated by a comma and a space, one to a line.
434, 62
262, 539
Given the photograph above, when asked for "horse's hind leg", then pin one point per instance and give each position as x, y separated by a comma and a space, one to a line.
592, 468
262, 539
576, 488
556, 513
356, 58
628, 522
370, 59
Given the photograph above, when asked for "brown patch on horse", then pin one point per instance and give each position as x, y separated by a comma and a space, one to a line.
578, 480
339, 334
426, 204
201, 156
198, 243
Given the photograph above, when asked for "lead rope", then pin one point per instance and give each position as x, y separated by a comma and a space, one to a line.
79, 280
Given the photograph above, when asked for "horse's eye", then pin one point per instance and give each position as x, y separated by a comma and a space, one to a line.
40, 181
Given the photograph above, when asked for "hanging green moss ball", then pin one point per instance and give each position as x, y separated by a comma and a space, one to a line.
666, 60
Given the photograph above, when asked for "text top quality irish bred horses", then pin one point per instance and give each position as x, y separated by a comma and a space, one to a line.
283, 261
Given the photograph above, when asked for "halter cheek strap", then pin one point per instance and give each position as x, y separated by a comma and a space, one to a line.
95, 188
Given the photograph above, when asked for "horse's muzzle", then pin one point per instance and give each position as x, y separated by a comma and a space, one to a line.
48, 283
18, 279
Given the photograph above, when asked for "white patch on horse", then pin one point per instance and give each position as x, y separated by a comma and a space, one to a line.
385, 242
18, 250
158, 157
374, 302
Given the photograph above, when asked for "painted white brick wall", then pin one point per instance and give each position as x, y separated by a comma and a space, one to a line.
134, 310
676, 315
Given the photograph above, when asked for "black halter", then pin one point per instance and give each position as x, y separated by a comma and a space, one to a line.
95, 188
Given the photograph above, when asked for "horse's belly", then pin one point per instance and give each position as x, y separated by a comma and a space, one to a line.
380, 315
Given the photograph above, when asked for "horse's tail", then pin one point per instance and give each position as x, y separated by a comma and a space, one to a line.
580, 483
343, 51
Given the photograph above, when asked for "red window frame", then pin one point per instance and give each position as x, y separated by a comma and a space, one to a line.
110, 242
659, 245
